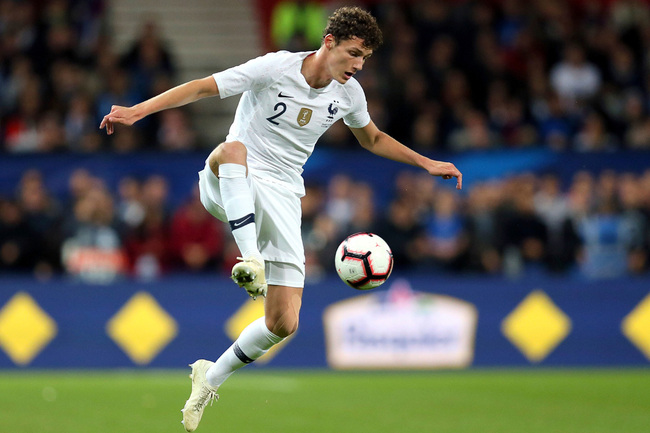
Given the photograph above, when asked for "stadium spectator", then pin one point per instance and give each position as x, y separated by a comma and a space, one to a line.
630, 194
524, 234
147, 246
482, 216
175, 132
473, 134
43, 215
322, 240
554, 125
143, 209
20, 132
93, 248
17, 246
312, 205
364, 211
79, 124
445, 234
130, 209
401, 229
425, 135
634, 120
575, 79
593, 135
148, 58
18, 74
196, 239
552, 206
432, 23
606, 241
341, 200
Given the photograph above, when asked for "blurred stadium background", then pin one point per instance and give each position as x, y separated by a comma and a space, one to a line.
520, 303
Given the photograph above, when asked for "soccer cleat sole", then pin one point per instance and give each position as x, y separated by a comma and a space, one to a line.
243, 276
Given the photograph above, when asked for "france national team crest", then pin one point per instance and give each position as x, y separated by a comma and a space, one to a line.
304, 116
332, 110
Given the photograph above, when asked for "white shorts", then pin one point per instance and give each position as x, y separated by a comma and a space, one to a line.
278, 217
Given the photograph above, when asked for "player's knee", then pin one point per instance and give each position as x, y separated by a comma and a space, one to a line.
231, 152
213, 162
283, 325
287, 329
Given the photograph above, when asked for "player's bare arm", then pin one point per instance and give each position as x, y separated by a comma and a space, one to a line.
382, 144
175, 97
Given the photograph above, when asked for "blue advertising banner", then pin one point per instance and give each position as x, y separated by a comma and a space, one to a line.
469, 321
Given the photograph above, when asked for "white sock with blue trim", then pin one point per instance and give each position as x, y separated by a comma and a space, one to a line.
254, 341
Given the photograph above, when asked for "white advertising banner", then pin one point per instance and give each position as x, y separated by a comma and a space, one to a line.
400, 328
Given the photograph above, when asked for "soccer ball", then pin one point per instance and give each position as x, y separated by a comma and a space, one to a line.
363, 261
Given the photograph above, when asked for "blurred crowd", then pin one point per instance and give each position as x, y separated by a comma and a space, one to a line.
463, 75
59, 75
455, 75
597, 226
99, 234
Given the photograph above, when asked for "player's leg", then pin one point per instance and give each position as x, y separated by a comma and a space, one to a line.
281, 316
281, 312
228, 163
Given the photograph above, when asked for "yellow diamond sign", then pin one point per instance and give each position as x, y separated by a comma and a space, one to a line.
247, 313
25, 329
536, 326
636, 326
142, 328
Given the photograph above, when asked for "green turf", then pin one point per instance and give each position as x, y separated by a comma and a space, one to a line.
475, 401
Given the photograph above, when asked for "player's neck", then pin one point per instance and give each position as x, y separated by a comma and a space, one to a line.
314, 70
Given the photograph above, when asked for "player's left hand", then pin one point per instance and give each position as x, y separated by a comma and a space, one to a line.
118, 114
446, 170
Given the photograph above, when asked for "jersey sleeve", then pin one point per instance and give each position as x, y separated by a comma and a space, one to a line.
256, 74
358, 117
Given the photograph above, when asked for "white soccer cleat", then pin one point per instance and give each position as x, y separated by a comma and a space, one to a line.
202, 394
249, 274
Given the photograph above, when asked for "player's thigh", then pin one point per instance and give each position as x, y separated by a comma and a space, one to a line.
282, 309
278, 219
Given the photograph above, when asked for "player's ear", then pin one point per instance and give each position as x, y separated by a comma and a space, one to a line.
329, 41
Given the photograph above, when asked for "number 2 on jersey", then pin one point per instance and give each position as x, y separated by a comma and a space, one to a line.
280, 105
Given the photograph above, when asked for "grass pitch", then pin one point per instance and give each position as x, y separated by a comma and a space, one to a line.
474, 401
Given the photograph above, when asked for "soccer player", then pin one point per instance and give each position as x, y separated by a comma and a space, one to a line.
253, 180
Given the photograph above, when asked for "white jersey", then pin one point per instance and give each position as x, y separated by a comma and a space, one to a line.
280, 117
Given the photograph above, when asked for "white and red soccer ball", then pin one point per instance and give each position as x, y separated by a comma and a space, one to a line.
363, 261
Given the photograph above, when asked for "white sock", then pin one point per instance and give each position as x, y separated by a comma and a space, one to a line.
254, 341
239, 207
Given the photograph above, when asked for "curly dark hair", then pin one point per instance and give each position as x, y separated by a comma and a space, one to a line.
351, 21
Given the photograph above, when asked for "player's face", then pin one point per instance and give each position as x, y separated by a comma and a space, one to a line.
346, 58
